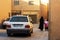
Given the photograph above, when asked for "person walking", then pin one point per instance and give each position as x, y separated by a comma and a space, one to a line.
41, 23
46, 24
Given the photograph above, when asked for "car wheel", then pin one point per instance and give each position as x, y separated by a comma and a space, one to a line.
8, 34
32, 31
29, 34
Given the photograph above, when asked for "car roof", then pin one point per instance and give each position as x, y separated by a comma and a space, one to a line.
19, 16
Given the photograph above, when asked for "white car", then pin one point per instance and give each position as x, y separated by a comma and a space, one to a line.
19, 24
4, 23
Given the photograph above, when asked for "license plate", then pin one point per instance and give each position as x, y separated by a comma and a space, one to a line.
18, 25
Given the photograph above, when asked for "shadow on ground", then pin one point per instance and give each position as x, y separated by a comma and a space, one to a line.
4, 34
20, 35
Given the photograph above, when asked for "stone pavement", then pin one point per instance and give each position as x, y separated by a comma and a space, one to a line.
37, 35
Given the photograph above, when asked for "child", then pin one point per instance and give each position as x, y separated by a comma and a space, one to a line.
46, 24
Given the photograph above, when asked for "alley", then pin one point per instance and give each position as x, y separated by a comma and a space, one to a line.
37, 35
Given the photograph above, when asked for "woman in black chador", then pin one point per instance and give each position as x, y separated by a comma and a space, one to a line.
41, 23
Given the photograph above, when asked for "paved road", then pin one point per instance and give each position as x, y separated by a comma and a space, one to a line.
37, 35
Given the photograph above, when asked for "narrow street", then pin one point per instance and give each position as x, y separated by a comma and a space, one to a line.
37, 35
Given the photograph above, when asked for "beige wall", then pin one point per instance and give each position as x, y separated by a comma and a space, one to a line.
54, 20
24, 5
5, 7
44, 9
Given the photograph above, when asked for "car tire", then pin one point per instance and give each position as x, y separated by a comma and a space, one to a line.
29, 34
8, 34
32, 31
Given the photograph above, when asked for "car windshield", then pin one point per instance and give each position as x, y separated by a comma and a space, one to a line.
19, 19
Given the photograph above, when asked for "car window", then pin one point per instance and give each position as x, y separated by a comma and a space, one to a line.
19, 19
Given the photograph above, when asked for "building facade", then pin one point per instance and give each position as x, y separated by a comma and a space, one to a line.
31, 8
26, 7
